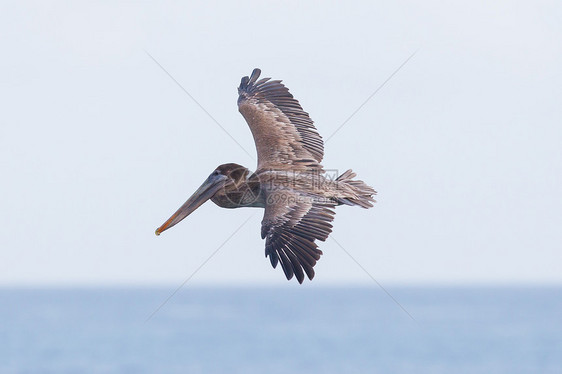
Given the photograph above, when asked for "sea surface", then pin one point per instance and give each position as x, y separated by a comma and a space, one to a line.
281, 330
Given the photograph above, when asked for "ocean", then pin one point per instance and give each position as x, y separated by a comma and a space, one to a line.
281, 330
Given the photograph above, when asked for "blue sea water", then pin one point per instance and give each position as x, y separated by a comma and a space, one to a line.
281, 330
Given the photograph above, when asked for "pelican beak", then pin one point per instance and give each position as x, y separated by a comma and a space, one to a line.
207, 190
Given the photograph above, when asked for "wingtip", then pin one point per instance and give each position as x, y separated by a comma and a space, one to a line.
246, 81
255, 75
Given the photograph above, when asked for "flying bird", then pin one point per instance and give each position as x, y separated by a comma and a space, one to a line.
298, 195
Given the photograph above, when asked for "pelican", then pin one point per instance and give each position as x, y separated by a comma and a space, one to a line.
298, 196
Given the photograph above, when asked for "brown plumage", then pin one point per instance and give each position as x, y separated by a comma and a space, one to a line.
290, 183
283, 132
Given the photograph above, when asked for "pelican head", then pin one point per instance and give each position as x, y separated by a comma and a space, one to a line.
224, 178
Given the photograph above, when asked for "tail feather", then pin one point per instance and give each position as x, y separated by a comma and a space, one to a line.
356, 192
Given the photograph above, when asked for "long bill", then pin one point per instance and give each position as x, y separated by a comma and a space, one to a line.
207, 190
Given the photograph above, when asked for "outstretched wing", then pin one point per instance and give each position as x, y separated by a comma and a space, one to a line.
291, 224
283, 132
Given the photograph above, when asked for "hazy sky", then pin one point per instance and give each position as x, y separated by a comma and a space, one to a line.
98, 146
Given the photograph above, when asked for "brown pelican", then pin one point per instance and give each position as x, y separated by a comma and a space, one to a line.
298, 196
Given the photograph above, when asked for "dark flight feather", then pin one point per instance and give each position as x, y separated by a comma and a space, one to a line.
283, 132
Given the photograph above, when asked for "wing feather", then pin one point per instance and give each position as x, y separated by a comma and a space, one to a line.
291, 230
283, 132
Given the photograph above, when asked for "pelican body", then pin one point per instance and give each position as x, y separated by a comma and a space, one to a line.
289, 182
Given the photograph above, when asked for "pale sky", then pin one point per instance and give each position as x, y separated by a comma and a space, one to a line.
98, 146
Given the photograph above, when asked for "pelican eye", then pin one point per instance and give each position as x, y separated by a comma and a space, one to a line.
216, 172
